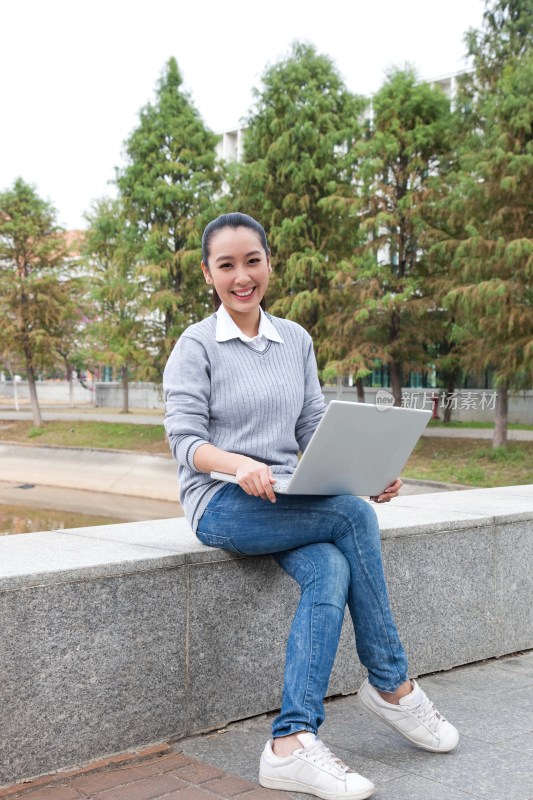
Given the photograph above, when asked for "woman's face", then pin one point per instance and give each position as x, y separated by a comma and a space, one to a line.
238, 269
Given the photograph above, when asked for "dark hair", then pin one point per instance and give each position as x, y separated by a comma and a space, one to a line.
233, 220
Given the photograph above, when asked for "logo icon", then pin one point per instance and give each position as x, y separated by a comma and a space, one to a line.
384, 400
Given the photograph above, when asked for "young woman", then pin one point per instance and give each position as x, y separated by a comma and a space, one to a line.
243, 397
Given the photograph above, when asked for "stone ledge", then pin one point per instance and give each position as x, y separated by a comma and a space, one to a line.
114, 637
37, 559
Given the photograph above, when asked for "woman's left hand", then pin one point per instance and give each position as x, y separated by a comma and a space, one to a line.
389, 493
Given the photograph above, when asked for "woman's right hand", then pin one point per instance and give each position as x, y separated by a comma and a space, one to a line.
256, 479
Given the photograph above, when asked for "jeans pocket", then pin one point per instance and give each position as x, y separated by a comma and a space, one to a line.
214, 540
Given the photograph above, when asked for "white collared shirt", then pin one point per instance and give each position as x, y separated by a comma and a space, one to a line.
227, 329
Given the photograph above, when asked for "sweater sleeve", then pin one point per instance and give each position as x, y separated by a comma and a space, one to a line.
314, 404
187, 390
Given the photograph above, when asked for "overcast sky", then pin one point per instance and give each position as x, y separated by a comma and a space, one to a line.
76, 73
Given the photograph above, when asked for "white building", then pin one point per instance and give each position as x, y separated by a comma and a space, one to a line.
230, 146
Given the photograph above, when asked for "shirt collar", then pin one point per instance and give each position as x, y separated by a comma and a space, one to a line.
227, 329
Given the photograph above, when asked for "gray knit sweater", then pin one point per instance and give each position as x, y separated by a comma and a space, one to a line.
265, 405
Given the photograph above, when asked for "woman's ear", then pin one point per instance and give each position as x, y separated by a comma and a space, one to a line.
207, 274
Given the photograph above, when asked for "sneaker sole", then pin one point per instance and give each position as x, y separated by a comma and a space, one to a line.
295, 786
401, 733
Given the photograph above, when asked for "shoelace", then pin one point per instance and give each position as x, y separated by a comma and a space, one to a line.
319, 754
426, 712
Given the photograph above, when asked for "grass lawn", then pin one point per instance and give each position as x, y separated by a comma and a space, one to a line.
468, 461
512, 426
107, 435
471, 461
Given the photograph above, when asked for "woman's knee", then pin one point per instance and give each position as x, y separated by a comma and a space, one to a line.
356, 513
322, 565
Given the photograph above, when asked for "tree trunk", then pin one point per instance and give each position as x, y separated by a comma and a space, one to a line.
15, 387
70, 384
360, 390
34, 401
16, 395
125, 391
396, 382
450, 382
499, 438
396, 376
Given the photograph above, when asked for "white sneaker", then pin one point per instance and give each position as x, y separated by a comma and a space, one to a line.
312, 769
416, 718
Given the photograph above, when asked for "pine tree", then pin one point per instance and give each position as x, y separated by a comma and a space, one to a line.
37, 297
117, 332
387, 314
167, 187
490, 248
303, 126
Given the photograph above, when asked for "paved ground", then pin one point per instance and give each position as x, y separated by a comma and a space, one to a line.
110, 471
491, 703
153, 417
80, 501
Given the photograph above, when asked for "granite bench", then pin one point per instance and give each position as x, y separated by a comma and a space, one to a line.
117, 636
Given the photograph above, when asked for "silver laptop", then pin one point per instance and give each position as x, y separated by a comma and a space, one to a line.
357, 448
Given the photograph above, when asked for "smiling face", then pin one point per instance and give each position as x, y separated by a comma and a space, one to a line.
239, 270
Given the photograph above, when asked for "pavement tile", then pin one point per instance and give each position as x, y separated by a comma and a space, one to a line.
483, 770
376, 771
264, 794
145, 789
342, 711
99, 781
172, 761
493, 718
9, 791
520, 665
362, 735
191, 793
478, 768
485, 678
523, 698
198, 772
229, 786
413, 787
237, 751
519, 744
53, 793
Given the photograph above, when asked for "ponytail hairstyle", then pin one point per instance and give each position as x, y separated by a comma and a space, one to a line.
233, 220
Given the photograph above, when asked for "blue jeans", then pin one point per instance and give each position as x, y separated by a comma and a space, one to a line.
331, 546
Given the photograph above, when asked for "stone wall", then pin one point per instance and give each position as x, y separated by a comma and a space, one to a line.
117, 636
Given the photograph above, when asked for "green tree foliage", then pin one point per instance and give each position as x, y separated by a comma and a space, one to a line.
387, 312
489, 240
117, 333
167, 188
304, 124
36, 288
507, 33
